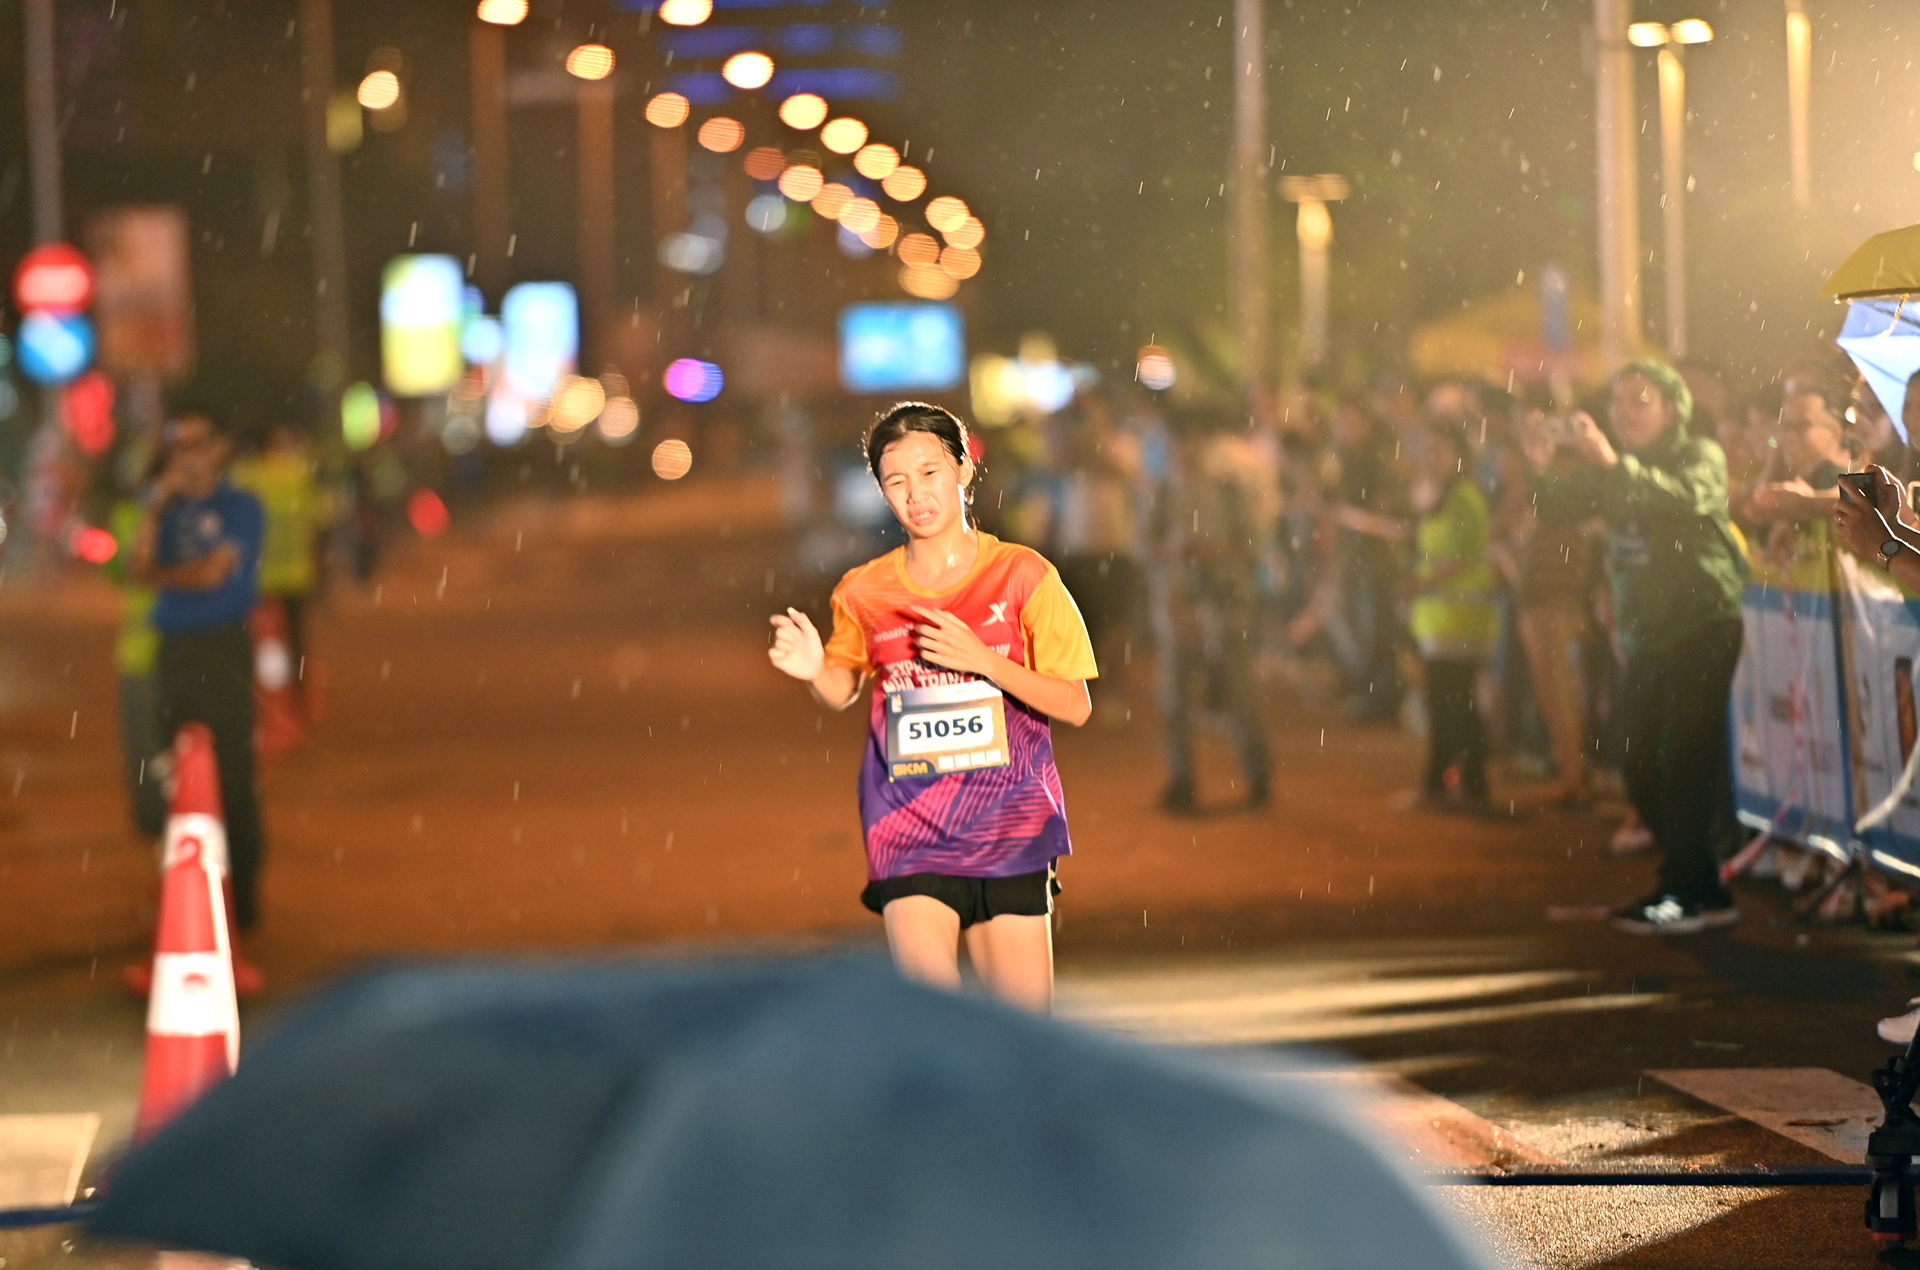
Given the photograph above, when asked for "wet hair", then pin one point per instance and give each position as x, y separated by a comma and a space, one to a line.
1666, 380
916, 416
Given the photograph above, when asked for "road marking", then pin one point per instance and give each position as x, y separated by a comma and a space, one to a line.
1813, 1106
41, 1158
1437, 1132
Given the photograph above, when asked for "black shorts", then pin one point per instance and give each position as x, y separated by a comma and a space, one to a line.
975, 899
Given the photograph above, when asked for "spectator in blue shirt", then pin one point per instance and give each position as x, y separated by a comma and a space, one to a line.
198, 545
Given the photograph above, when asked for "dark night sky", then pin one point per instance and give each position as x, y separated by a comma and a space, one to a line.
1092, 138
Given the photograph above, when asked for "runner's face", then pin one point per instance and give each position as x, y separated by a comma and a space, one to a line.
923, 484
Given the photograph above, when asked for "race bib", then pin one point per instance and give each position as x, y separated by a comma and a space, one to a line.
951, 728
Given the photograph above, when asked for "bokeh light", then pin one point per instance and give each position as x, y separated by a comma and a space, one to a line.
905, 183
851, 245
590, 61
691, 379
801, 182
946, 213
919, 249
94, 545
928, 282
722, 135
427, 514
766, 213
619, 420
876, 162
883, 233
844, 135
968, 233
859, 216
959, 262
764, 163
576, 403
685, 12
359, 416
748, 70
379, 90
503, 12
1155, 368
667, 110
672, 459
832, 200
803, 111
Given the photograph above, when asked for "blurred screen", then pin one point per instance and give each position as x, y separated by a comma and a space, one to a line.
422, 314
889, 347
541, 321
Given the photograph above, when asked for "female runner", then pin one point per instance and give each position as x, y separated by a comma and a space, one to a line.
974, 644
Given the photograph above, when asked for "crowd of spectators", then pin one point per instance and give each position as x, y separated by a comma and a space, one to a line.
1545, 586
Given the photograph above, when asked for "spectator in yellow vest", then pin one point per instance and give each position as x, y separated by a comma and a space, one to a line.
299, 510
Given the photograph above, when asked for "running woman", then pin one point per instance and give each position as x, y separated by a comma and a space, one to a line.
974, 644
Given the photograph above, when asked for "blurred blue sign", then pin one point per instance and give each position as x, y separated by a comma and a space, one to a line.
891, 347
53, 347
541, 321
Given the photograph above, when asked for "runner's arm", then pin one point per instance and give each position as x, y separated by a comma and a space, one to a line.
797, 651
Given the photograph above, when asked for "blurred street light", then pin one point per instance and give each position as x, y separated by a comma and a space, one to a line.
379, 90
946, 213
590, 61
803, 111
685, 12
905, 183
1673, 177
722, 135
748, 71
1314, 228
876, 162
667, 110
844, 136
502, 12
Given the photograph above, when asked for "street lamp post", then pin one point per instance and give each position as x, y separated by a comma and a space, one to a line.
1314, 227
1799, 81
1619, 223
1671, 41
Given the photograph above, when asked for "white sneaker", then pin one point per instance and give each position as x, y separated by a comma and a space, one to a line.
1899, 1029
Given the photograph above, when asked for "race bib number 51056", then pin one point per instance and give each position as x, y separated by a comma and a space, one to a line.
951, 728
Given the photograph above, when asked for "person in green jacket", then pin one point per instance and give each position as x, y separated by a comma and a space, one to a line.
1454, 618
1677, 575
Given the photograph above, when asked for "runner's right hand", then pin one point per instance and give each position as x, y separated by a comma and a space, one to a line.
796, 646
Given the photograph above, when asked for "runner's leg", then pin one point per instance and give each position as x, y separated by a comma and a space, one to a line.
924, 936
1013, 955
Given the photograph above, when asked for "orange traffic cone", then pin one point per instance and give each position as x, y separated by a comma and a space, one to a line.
193, 779
193, 1018
279, 720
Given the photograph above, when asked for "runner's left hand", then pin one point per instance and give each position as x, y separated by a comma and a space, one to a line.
1860, 524
947, 641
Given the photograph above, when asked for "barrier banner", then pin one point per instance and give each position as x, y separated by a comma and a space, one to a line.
1882, 644
1790, 768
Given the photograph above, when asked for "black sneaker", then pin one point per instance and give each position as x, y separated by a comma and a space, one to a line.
1670, 915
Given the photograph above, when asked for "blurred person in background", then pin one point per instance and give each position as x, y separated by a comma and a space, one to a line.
1752, 451
1677, 574
1368, 509
1454, 618
1096, 538
1879, 439
1214, 512
1556, 561
1794, 511
198, 545
299, 510
136, 650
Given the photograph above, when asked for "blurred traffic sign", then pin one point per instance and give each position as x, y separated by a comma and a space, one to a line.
53, 276
54, 347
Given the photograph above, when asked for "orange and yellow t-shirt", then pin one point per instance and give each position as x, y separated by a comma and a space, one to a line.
993, 821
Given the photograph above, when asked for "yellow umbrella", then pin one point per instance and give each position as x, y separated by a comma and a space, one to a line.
1886, 264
